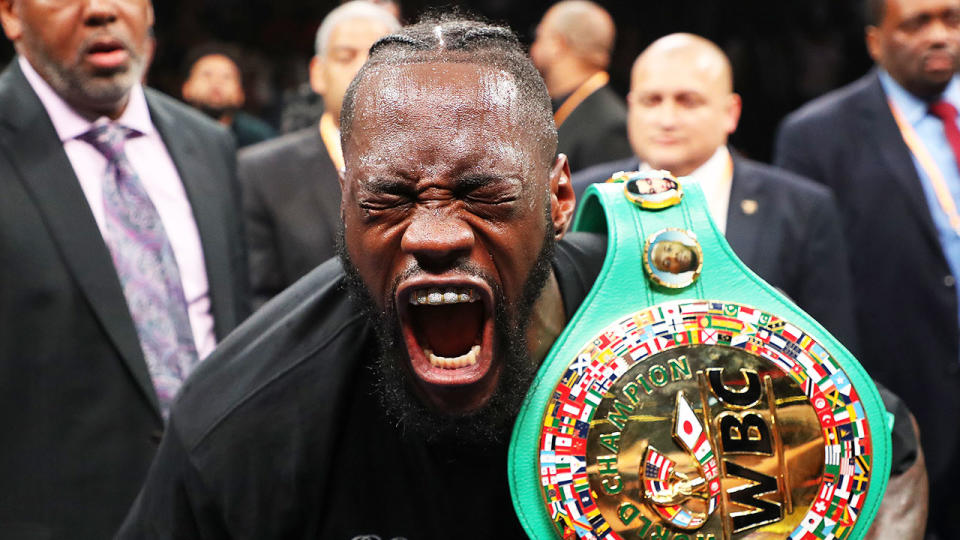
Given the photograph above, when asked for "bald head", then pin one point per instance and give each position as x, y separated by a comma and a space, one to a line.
690, 53
586, 27
681, 104
574, 39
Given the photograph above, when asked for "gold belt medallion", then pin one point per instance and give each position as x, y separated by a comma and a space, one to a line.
697, 420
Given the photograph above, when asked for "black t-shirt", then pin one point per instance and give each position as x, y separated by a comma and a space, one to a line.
279, 434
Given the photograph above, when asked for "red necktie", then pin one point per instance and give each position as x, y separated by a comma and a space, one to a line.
948, 114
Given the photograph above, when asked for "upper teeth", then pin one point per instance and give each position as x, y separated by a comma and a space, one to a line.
436, 297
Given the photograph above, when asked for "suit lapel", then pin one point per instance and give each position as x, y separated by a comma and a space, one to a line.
881, 129
36, 151
743, 230
206, 198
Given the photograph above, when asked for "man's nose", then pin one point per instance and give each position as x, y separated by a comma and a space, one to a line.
666, 113
437, 238
99, 12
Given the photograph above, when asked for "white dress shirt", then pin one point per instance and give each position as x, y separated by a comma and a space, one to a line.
715, 177
158, 174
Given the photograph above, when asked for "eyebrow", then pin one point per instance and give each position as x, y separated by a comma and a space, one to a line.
380, 183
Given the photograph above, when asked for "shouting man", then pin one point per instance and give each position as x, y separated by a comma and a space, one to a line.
391, 378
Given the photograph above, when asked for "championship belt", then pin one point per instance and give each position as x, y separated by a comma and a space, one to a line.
687, 399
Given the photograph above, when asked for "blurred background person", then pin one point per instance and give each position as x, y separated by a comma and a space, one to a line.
887, 144
572, 49
302, 106
291, 192
214, 85
123, 262
682, 109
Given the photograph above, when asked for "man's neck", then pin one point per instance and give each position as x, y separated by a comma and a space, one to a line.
566, 77
547, 320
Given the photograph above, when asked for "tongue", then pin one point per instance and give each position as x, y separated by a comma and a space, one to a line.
449, 330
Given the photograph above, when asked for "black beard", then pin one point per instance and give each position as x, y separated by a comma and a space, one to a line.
492, 423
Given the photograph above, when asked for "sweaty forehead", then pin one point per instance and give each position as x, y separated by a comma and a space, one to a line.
437, 114
440, 95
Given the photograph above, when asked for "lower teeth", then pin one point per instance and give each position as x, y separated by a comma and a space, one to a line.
468, 359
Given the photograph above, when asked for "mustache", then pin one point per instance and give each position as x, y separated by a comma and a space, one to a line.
414, 270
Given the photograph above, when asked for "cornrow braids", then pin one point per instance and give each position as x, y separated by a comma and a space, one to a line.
451, 38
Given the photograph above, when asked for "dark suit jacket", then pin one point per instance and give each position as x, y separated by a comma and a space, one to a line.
291, 206
792, 240
596, 131
905, 297
80, 417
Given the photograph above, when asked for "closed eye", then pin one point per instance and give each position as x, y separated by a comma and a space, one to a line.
488, 189
382, 194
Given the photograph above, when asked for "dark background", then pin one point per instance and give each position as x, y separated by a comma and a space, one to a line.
783, 53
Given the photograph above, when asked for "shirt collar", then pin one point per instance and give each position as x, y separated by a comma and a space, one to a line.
712, 170
69, 124
911, 107
708, 172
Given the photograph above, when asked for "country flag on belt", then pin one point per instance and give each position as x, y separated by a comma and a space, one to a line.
727, 323
708, 337
621, 365
749, 315
658, 466
775, 324
833, 453
811, 365
687, 427
777, 342
593, 397
791, 332
842, 383
643, 319
695, 307
581, 363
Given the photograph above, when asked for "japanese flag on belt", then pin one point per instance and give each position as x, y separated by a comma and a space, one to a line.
687, 427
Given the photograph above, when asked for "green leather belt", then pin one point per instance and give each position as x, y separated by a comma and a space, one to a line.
688, 399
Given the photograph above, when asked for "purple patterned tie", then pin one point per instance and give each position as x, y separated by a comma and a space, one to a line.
146, 265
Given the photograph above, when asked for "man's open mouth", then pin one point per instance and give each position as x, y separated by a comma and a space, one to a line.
448, 329
107, 53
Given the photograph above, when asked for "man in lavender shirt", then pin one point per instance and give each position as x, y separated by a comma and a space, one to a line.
86, 304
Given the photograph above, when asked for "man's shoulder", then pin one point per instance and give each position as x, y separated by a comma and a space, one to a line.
577, 263
607, 99
313, 326
790, 185
181, 113
252, 126
600, 109
836, 106
287, 150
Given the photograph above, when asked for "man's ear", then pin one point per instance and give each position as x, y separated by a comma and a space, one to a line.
562, 198
873, 38
12, 26
316, 75
734, 107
